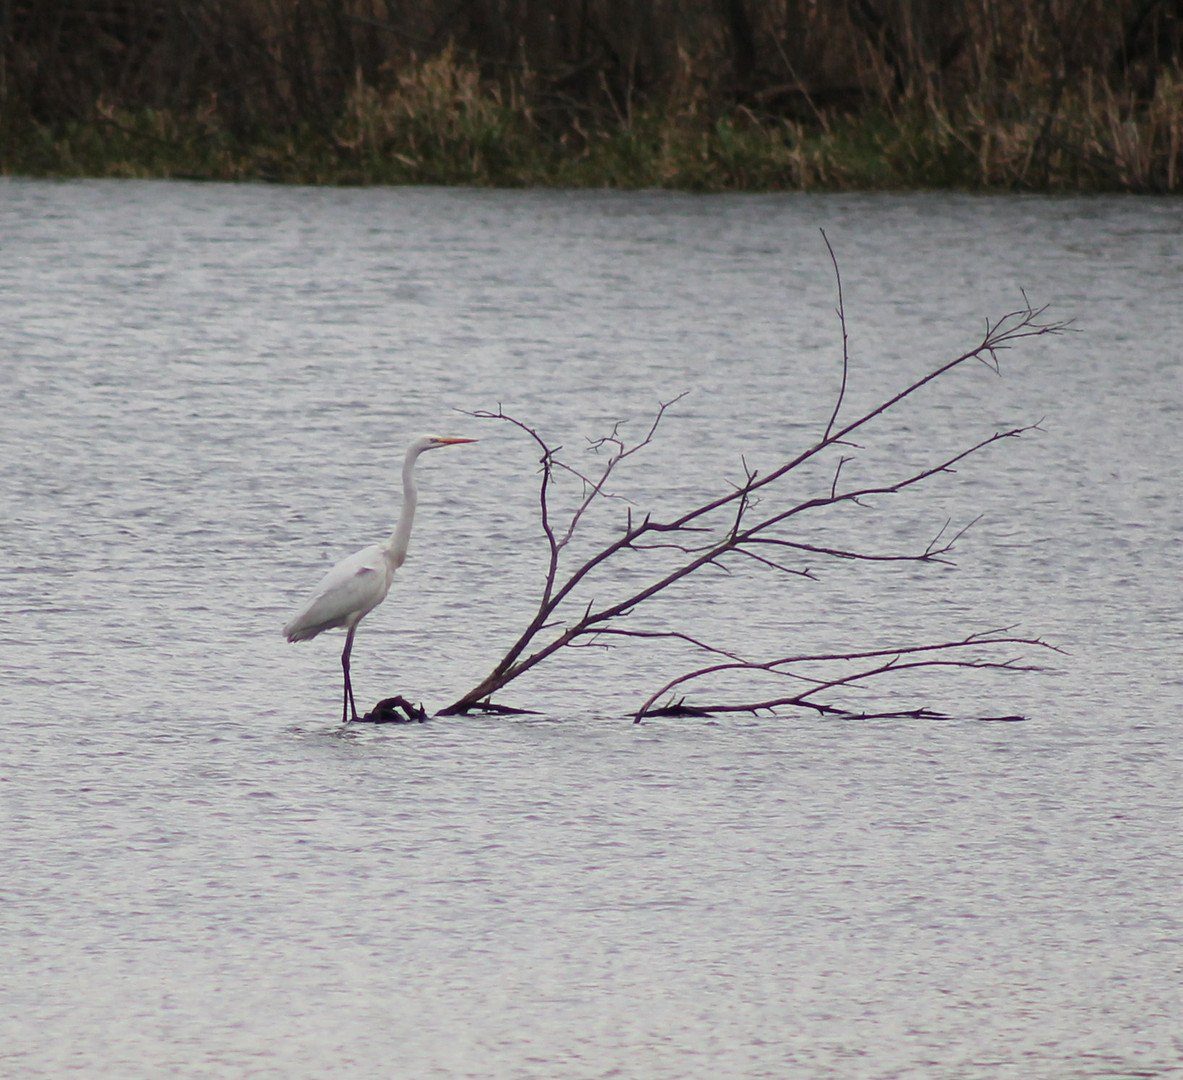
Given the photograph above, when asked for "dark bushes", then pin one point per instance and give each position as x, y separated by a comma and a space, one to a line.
1065, 94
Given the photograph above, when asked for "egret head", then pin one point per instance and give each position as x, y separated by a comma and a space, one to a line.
433, 442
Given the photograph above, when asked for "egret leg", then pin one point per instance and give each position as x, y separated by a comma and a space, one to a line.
348, 704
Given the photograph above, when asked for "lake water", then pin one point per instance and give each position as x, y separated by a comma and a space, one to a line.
206, 393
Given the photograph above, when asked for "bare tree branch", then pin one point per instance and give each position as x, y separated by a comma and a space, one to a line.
673, 634
596, 487
781, 667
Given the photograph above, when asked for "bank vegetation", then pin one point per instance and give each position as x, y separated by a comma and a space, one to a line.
1060, 95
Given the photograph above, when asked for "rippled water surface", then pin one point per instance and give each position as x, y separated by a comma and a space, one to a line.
206, 392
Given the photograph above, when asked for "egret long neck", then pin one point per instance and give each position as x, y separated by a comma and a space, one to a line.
396, 547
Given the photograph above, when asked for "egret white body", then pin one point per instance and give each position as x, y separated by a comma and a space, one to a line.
358, 584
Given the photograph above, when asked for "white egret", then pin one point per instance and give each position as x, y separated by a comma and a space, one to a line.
358, 584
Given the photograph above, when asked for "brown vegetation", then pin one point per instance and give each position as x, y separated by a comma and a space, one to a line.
1061, 94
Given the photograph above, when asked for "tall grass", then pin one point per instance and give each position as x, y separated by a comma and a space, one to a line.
700, 94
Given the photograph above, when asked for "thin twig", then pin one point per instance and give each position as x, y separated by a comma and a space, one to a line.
845, 343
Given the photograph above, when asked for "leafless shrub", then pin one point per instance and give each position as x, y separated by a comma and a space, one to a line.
753, 521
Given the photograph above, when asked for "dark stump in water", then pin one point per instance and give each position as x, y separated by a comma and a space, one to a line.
394, 710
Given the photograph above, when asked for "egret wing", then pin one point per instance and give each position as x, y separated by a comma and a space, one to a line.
353, 587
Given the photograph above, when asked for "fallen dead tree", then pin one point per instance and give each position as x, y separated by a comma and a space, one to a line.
753, 521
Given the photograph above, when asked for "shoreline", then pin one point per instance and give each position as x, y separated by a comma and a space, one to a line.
385, 145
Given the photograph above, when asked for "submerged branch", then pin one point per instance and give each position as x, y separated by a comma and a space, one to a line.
894, 663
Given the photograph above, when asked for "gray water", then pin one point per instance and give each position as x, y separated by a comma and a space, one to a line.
206, 392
